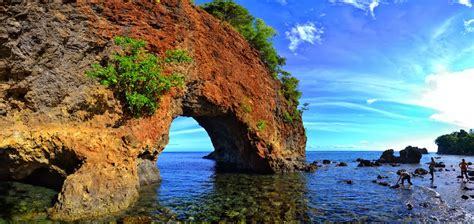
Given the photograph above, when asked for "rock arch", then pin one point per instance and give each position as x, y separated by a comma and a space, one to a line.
50, 110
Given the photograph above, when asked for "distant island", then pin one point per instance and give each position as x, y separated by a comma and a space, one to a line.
457, 143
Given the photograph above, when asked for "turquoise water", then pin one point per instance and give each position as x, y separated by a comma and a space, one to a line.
191, 190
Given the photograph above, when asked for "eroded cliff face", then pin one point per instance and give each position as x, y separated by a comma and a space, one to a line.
64, 130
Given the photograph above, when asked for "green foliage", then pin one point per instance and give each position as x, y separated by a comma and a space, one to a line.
246, 108
305, 107
259, 35
456, 143
177, 56
287, 117
137, 76
255, 31
261, 125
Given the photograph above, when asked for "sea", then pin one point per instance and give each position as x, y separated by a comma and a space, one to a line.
191, 190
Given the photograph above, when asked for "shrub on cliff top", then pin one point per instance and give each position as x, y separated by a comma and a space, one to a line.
136, 75
255, 31
259, 35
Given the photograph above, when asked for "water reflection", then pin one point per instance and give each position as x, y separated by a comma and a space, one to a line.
22, 202
233, 197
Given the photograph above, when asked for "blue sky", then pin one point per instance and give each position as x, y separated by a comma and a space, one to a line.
378, 74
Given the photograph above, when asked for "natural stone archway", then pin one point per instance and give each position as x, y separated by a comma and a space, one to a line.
55, 120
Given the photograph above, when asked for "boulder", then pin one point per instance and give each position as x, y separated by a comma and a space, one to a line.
326, 161
407, 155
465, 197
368, 163
421, 171
342, 164
381, 177
470, 173
311, 168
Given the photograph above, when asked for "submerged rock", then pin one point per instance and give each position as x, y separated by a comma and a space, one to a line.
348, 181
342, 164
326, 161
409, 206
468, 189
368, 163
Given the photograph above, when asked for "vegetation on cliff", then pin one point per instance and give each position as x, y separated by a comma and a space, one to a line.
137, 75
259, 36
456, 143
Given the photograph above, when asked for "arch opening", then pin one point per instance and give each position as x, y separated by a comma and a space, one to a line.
223, 137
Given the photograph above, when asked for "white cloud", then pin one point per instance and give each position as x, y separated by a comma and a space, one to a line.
366, 5
469, 26
299, 34
451, 95
463, 2
371, 101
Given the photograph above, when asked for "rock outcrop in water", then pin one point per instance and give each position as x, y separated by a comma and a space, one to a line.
64, 130
407, 155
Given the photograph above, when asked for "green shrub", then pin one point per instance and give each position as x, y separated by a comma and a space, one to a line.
246, 108
259, 35
261, 125
177, 56
255, 31
287, 117
136, 75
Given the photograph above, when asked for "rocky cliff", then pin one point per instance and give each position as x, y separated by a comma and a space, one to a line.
62, 129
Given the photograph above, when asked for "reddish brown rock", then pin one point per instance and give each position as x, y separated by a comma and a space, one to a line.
57, 123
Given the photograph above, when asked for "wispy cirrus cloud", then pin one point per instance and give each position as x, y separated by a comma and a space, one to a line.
469, 25
366, 5
308, 32
355, 106
371, 101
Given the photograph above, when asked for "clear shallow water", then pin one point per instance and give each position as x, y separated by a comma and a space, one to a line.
191, 190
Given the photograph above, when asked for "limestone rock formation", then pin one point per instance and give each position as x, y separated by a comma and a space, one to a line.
407, 155
62, 127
